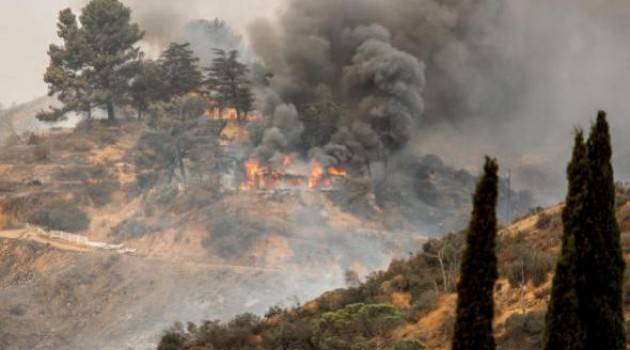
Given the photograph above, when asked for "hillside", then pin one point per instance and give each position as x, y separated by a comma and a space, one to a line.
411, 305
97, 244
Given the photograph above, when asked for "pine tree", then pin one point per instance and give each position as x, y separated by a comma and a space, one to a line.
147, 86
63, 76
475, 306
179, 65
94, 66
228, 84
600, 291
563, 329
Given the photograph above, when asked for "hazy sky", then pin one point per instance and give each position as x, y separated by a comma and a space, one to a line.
27, 27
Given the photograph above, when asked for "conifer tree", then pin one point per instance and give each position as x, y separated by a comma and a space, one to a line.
228, 84
563, 329
475, 306
64, 81
602, 264
148, 86
181, 72
94, 66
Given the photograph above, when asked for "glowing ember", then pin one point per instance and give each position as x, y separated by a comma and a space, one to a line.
333, 171
286, 160
316, 174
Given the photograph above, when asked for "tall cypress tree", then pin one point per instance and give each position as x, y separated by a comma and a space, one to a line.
475, 306
563, 330
600, 292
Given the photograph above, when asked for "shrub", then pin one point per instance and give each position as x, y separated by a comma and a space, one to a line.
544, 221
62, 216
530, 265
422, 304
33, 139
41, 152
100, 193
160, 197
525, 331
231, 235
132, 228
172, 340
409, 344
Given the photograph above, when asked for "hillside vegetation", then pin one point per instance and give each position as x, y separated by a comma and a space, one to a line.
411, 304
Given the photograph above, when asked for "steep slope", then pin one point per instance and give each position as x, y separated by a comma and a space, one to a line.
420, 289
100, 250
189, 251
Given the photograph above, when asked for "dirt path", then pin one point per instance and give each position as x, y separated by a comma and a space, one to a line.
57, 241
61, 240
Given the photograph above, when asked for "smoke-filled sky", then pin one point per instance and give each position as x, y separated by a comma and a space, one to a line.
27, 27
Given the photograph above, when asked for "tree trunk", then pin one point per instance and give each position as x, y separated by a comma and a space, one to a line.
111, 114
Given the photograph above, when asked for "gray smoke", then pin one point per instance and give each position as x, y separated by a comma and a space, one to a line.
316, 61
205, 36
458, 78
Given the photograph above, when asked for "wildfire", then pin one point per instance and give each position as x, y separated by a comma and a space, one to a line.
261, 176
334, 171
255, 175
231, 114
286, 160
317, 171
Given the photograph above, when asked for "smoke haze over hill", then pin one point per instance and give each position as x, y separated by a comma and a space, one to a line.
506, 78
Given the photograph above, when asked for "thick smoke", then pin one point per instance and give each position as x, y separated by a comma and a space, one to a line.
458, 78
509, 78
373, 89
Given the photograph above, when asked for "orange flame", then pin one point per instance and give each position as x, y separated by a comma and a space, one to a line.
265, 177
286, 160
334, 171
255, 175
316, 174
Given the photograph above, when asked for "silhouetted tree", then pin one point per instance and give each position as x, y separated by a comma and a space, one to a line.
601, 263
563, 330
475, 306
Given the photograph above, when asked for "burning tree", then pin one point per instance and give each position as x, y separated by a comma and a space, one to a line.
180, 133
228, 84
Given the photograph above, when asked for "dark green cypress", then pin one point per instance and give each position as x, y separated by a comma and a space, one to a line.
563, 329
475, 306
600, 292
